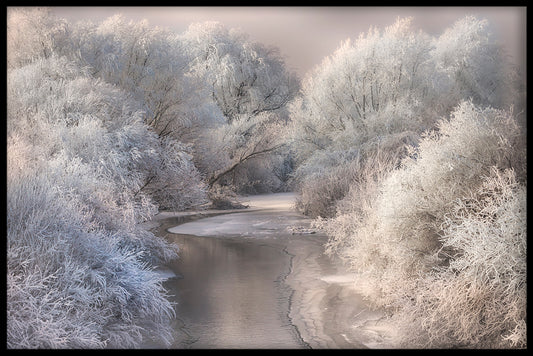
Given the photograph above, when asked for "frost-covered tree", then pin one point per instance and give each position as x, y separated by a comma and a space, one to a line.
243, 140
173, 181
377, 91
245, 78
251, 87
377, 85
473, 64
117, 135
386, 88
143, 60
32, 33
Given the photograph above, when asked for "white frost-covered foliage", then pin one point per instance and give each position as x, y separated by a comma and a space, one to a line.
143, 60
79, 264
472, 61
33, 34
441, 243
71, 283
250, 86
390, 84
480, 298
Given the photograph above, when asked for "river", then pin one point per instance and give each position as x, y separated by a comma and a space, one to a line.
259, 279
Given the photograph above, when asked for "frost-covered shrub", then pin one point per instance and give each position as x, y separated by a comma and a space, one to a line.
396, 239
79, 262
320, 191
356, 204
72, 283
318, 195
325, 179
479, 298
448, 164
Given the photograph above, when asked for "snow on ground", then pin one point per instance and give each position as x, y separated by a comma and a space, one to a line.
267, 216
278, 201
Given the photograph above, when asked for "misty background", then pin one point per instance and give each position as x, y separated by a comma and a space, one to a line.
307, 34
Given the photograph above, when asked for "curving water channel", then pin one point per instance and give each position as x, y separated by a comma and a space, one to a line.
244, 280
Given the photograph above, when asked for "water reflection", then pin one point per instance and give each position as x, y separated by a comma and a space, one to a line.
231, 294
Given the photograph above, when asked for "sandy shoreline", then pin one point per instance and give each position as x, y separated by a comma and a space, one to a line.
324, 304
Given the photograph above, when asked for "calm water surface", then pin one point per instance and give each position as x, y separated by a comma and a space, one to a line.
230, 293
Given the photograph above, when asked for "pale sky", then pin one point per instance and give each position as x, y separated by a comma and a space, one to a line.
307, 34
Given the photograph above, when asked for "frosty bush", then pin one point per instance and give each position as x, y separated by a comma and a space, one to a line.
80, 267
72, 283
396, 239
479, 298
325, 179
